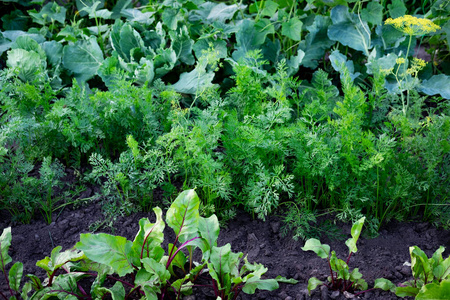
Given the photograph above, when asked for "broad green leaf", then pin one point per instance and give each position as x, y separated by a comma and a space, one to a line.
182, 45
339, 266
361, 284
355, 275
49, 13
349, 31
150, 294
83, 6
373, 14
124, 38
135, 15
15, 276
294, 62
193, 82
164, 61
316, 41
437, 256
102, 272
26, 289
183, 215
313, 283
53, 51
224, 261
248, 38
179, 260
15, 20
383, 63
355, 232
83, 58
420, 265
263, 28
209, 231
222, 12
180, 285
102, 13
27, 64
434, 291
271, 51
5, 243
442, 271
397, 9
150, 236
64, 282
107, 249
437, 84
406, 291
270, 8
219, 46
7, 38
292, 29
384, 284
171, 17
156, 268
340, 62
57, 259
257, 283
117, 291
25, 42
109, 71
145, 72
35, 282
282, 279
322, 250
120, 7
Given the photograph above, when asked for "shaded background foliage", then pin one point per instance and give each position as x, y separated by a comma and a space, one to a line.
261, 105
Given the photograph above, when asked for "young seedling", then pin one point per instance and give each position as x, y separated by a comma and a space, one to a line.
14, 276
340, 279
431, 276
142, 267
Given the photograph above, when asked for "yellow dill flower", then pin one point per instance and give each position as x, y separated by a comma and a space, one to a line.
417, 64
412, 25
386, 72
400, 60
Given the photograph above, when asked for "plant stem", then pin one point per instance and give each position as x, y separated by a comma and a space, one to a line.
331, 271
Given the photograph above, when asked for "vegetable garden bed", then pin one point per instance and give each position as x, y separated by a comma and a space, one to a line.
282, 116
386, 256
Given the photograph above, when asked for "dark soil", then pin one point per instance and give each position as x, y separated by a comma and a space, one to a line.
383, 256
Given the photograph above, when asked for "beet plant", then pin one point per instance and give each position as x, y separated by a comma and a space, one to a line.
340, 279
14, 276
143, 267
431, 276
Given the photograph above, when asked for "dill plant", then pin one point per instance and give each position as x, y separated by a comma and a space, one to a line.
410, 26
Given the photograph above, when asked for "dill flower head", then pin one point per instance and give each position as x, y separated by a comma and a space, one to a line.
400, 60
417, 64
412, 25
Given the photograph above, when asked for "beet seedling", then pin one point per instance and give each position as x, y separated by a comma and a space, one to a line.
431, 276
341, 278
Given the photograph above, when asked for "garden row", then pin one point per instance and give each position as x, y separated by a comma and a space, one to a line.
228, 99
149, 267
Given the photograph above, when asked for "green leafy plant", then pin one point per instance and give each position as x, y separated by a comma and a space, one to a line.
431, 276
143, 266
14, 276
340, 276
50, 176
